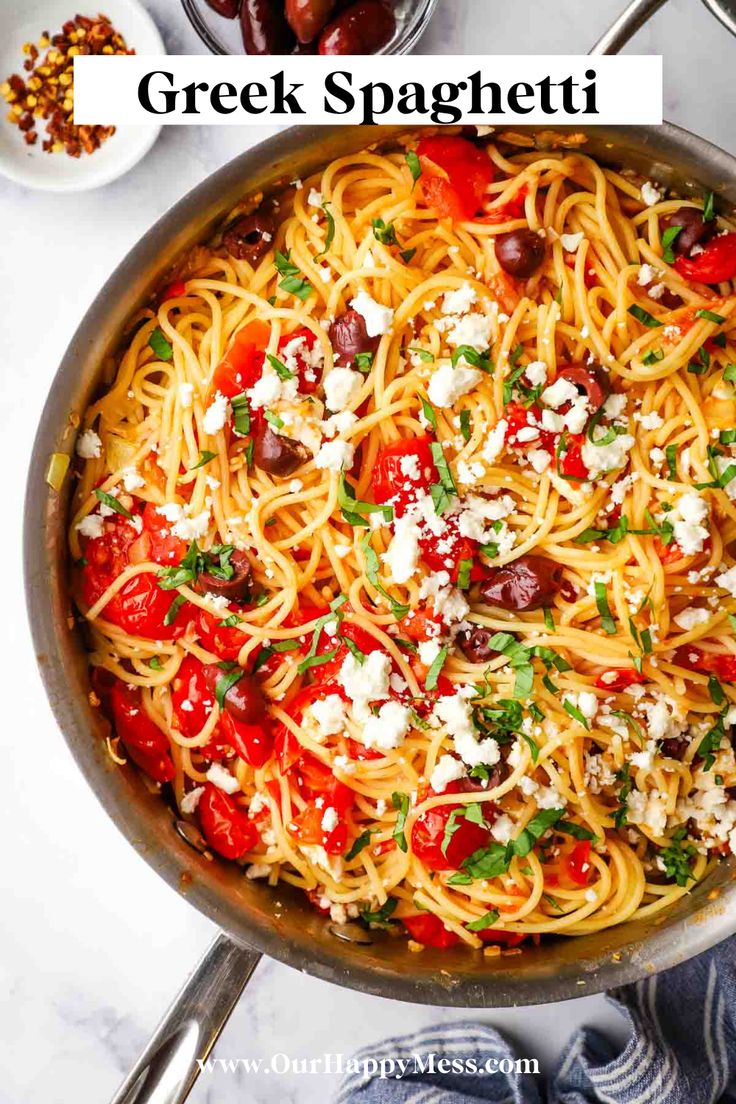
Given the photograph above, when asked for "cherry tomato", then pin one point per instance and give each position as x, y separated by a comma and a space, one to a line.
668, 553
448, 552
619, 678
428, 929
505, 938
327, 672
715, 265
590, 276
307, 827
512, 209
174, 291
141, 606
577, 864
190, 697
254, 743
225, 826
224, 640
520, 417
242, 364
455, 176
308, 379
421, 625
722, 666
156, 541
571, 460
144, 741
395, 477
429, 831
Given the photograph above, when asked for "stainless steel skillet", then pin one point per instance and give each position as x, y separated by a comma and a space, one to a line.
244, 910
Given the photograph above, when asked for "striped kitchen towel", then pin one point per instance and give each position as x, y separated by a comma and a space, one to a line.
681, 1050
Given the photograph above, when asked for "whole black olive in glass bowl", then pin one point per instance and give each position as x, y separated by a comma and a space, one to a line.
266, 29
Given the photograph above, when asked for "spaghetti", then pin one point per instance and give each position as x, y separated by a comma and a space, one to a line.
404, 538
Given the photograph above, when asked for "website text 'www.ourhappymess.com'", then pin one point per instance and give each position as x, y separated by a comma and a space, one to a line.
384, 1068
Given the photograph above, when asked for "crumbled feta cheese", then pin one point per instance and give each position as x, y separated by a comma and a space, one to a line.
366, 682
215, 415
539, 459
650, 194
388, 728
330, 819
536, 373
341, 387
448, 769
329, 713
190, 800
185, 392
456, 713
648, 810
560, 392
402, 555
459, 301
132, 480
448, 384
495, 441
222, 778
599, 459
92, 526
570, 242
378, 319
727, 580
687, 518
89, 445
689, 619
335, 455
314, 199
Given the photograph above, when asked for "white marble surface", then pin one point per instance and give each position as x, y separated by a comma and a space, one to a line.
93, 944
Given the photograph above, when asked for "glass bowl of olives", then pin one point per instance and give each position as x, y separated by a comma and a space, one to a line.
309, 26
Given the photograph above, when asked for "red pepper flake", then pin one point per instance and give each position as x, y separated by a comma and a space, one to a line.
47, 90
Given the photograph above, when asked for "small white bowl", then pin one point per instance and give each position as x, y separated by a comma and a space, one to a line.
58, 172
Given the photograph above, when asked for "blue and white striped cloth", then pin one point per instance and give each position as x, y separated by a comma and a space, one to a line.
681, 1049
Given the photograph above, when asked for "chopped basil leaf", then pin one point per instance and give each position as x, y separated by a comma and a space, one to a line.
644, 316
231, 674
415, 166
549, 620
671, 455
407, 255
279, 367
465, 424
574, 712
575, 830
371, 567
443, 468
601, 600
112, 503
273, 419
486, 921
430, 683
173, 609
729, 373
710, 316
292, 281
161, 347
716, 691
463, 574
241, 414
362, 841
440, 499
353, 648
383, 914
352, 509
473, 357
677, 859
330, 230
429, 414
364, 362
624, 777
652, 356
709, 207
384, 233
535, 829
155, 663
400, 802
230, 622
424, 354
668, 239
204, 458
317, 660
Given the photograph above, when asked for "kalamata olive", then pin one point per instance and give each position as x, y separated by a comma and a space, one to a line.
349, 336
275, 454
528, 583
308, 17
249, 237
363, 28
590, 381
670, 300
695, 230
520, 252
477, 785
674, 747
244, 700
474, 644
264, 27
230, 9
237, 586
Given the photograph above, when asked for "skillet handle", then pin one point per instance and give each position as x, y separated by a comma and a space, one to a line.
167, 1070
627, 24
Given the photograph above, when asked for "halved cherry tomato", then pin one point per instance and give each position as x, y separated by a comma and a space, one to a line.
520, 417
715, 265
429, 831
577, 864
722, 666
254, 743
619, 678
455, 176
394, 477
224, 640
242, 364
447, 552
326, 672
225, 826
307, 827
420, 625
427, 928
144, 741
571, 460
190, 697
156, 541
667, 553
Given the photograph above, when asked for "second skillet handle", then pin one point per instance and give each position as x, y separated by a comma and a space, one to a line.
167, 1069
627, 24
